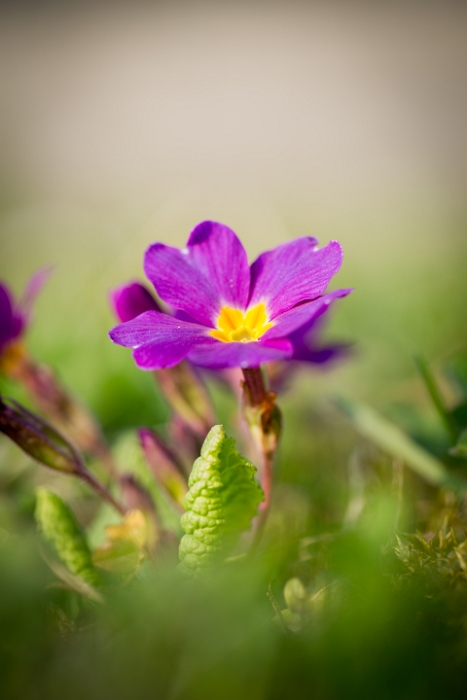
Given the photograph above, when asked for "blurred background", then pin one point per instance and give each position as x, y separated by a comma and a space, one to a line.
126, 123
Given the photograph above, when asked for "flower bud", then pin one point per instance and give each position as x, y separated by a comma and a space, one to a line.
37, 438
59, 526
56, 402
125, 547
134, 496
187, 396
187, 442
295, 595
163, 465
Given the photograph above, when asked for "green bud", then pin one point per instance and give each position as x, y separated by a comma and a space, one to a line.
187, 396
60, 528
124, 549
295, 595
163, 465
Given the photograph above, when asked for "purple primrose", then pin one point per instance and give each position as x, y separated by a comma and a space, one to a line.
227, 313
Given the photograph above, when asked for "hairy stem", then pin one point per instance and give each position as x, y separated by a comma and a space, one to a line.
264, 420
254, 384
101, 491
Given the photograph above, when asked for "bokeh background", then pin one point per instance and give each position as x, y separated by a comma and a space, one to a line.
122, 124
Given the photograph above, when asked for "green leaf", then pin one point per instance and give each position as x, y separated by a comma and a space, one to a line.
393, 440
123, 552
459, 416
119, 557
59, 526
436, 396
221, 503
456, 368
460, 449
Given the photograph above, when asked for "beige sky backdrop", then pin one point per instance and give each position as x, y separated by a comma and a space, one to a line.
306, 104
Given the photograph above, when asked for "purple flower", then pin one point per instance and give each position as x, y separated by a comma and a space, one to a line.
14, 318
130, 300
307, 348
228, 314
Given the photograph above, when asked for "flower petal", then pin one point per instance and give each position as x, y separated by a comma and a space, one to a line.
222, 355
159, 340
131, 300
288, 322
293, 273
159, 355
306, 347
322, 356
7, 330
33, 287
180, 283
219, 254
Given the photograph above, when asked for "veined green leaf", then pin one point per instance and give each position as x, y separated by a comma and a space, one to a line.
222, 500
393, 440
59, 526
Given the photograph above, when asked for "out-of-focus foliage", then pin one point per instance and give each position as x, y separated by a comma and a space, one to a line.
440, 558
340, 600
358, 587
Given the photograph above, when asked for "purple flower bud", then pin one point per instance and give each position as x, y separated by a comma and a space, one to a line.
134, 495
188, 443
38, 438
163, 465
43, 443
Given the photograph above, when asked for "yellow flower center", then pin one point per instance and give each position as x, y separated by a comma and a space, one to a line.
235, 326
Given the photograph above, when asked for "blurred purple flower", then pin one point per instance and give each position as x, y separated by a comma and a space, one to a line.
308, 349
228, 314
14, 317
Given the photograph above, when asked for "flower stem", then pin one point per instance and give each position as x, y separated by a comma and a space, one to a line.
101, 491
187, 396
264, 420
254, 383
